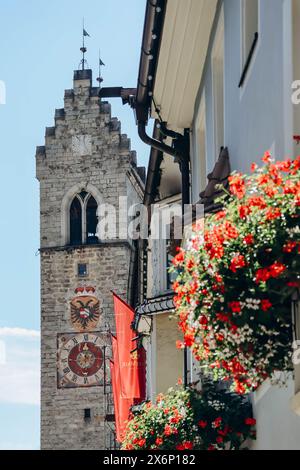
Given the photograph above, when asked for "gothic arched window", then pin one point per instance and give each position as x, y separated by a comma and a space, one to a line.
91, 221
83, 219
76, 222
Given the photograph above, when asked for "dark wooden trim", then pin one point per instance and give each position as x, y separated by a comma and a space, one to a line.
248, 61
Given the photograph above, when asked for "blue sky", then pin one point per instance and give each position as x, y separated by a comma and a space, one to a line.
39, 49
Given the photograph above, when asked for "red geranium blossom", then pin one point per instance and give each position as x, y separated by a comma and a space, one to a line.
235, 307
265, 305
202, 424
249, 239
217, 422
273, 213
244, 211
237, 185
250, 421
237, 262
267, 157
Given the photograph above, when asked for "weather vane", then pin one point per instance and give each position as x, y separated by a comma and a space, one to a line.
83, 49
99, 78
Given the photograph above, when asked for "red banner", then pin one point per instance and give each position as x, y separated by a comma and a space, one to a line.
131, 364
121, 405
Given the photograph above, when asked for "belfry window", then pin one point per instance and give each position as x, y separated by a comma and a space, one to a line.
83, 219
76, 222
91, 221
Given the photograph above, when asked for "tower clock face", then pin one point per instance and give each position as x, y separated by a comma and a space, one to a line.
80, 360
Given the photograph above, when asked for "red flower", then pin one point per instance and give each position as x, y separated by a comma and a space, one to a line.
237, 185
159, 441
175, 419
220, 215
262, 275
237, 262
267, 157
289, 246
235, 307
265, 305
217, 422
224, 432
179, 258
277, 269
240, 388
284, 165
273, 213
219, 440
190, 264
188, 445
175, 286
168, 431
185, 445
202, 424
139, 442
257, 201
223, 318
254, 167
203, 320
244, 211
250, 421
249, 239
219, 337
189, 338
180, 447
179, 344
230, 231
270, 190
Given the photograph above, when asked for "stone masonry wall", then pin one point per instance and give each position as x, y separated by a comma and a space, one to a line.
62, 422
85, 147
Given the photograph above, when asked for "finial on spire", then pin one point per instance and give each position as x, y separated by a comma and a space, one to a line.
83, 49
100, 78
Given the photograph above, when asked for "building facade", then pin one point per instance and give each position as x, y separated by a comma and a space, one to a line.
86, 163
224, 72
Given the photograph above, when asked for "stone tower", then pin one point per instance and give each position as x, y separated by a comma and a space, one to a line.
86, 163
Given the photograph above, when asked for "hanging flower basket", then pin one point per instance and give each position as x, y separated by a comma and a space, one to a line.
185, 419
237, 275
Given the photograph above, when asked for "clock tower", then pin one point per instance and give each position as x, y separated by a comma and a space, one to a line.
86, 169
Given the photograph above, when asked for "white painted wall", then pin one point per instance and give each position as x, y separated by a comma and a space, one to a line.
254, 114
278, 428
257, 117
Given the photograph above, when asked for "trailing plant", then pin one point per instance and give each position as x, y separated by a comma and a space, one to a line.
185, 419
237, 274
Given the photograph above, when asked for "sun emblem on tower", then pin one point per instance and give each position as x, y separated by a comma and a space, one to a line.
85, 309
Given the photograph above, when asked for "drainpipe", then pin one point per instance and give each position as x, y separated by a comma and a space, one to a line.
153, 27
180, 151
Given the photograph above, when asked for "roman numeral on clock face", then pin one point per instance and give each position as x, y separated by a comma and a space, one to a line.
66, 370
86, 337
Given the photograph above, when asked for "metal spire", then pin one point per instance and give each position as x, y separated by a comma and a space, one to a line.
83, 49
100, 78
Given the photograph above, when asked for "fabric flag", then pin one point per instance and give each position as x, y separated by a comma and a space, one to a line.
121, 405
85, 33
101, 63
131, 364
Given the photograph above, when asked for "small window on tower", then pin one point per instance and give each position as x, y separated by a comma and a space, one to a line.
82, 270
87, 413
